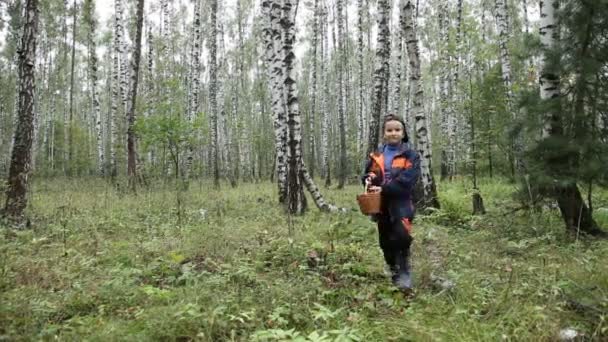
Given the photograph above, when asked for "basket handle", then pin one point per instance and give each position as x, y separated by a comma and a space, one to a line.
367, 183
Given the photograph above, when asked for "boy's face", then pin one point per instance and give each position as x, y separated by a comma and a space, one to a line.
393, 132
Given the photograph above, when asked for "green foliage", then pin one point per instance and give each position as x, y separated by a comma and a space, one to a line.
577, 150
99, 265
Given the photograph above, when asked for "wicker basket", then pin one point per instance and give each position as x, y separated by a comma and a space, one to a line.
369, 202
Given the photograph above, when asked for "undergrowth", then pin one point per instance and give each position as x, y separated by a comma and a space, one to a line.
100, 264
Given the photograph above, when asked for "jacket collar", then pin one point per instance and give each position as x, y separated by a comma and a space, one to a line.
403, 148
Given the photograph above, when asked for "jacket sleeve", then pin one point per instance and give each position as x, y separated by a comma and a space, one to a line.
406, 179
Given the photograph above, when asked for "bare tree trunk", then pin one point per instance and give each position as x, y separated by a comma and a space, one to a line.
124, 71
446, 92
274, 45
395, 97
194, 86
89, 10
16, 193
325, 103
131, 117
213, 94
341, 115
296, 201
69, 137
380, 74
114, 112
502, 20
430, 198
360, 114
313, 105
150, 98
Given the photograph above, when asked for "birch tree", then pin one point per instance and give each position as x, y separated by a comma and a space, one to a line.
380, 74
574, 211
502, 21
325, 103
68, 137
213, 93
446, 86
341, 101
296, 201
131, 117
423, 143
89, 10
360, 115
21, 155
193, 105
115, 84
274, 60
313, 101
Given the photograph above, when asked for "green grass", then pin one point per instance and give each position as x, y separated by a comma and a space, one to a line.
102, 265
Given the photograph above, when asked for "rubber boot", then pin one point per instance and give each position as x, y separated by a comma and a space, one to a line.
402, 279
390, 267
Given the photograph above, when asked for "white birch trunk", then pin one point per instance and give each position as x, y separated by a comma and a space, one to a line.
194, 84
325, 103
380, 74
223, 138
17, 189
313, 105
423, 142
502, 21
124, 69
114, 112
150, 83
213, 93
549, 82
360, 111
341, 94
94, 92
396, 75
296, 201
133, 169
274, 60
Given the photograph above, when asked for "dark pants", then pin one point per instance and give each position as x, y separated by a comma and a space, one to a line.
395, 237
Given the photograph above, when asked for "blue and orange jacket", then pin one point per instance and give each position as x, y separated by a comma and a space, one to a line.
397, 194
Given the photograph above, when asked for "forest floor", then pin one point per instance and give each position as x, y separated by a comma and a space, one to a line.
102, 265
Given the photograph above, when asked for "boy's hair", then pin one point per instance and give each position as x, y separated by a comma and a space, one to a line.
395, 117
